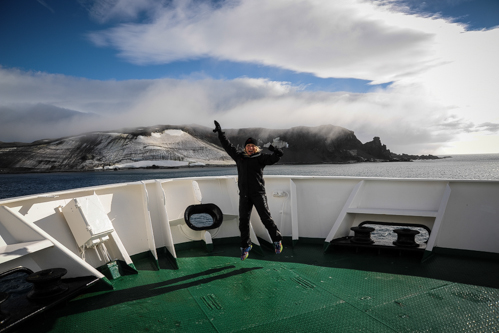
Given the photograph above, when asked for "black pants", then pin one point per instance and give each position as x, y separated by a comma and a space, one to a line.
246, 204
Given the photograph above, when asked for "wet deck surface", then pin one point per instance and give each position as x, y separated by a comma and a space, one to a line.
301, 290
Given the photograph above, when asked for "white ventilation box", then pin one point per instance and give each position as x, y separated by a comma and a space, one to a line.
88, 221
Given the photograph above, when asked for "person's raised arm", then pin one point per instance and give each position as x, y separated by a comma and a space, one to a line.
275, 157
229, 148
218, 128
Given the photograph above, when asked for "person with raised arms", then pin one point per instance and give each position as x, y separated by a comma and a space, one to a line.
250, 164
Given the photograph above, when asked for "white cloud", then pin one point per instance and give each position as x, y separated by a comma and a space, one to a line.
398, 117
44, 4
452, 68
468, 80
342, 38
444, 76
78, 94
119, 10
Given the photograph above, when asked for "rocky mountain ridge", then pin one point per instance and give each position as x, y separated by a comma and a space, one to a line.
188, 145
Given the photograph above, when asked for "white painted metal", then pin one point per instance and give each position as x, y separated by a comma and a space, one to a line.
147, 222
471, 219
197, 191
18, 250
438, 221
344, 220
294, 210
397, 201
254, 238
128, 211
279, 200
17, 230
121, 248
148, 215
163, 221
87, 220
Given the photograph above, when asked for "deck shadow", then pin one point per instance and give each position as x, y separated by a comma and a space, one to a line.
458, 269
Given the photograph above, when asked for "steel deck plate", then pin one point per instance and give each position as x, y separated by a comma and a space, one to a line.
216, 292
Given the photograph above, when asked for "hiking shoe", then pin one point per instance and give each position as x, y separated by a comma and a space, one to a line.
278, 247
245, 252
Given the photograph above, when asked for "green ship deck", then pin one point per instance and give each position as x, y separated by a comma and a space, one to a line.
300, 290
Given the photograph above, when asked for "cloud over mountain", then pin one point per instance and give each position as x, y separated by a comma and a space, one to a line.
344, 38
441, 75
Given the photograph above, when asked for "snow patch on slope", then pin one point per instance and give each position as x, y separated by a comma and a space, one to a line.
145, 164
169, 148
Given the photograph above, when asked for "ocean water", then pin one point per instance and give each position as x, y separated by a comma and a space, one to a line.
480, 166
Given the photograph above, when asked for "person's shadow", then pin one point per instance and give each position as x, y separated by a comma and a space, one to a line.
136, 293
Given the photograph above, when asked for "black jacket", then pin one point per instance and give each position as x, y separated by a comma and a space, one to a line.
250, 168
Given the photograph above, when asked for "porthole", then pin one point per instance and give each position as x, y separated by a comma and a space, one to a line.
203, 217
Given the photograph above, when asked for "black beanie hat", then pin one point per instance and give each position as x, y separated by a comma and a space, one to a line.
250, 140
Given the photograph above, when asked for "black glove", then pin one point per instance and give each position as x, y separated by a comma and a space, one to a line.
276, 151
218, 128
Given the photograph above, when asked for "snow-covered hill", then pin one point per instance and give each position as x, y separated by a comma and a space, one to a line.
161, 148
188, 145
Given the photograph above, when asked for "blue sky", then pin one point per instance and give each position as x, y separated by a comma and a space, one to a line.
421, 75
51, 36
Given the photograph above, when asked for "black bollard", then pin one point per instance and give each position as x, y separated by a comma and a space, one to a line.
362, 235
406, 237
47, 284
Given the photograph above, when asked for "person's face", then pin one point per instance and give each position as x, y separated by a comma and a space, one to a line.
250, 149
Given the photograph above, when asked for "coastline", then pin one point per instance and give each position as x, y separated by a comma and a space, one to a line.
198, 166
481, 167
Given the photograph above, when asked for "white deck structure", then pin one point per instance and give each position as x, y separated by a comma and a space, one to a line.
148, 215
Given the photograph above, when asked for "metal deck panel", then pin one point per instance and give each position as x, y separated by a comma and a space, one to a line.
216, 292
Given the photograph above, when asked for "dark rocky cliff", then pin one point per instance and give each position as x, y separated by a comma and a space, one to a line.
307, 145
197, 145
